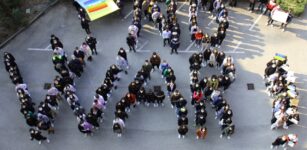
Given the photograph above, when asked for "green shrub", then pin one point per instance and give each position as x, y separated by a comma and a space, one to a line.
297, 6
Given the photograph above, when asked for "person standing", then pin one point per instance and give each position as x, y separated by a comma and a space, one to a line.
122, 63
87, 51
85, 25
91, 42
182, 130
201, 133
118, 126
37, 135
174, 45
155, 60
79, 55
252, 4
122, 53
166, 35
55, 42
131, 41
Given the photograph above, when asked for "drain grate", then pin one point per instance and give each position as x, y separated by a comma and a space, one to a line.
47, 86
250, 86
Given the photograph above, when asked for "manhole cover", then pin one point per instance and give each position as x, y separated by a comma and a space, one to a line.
47, 86
250, 86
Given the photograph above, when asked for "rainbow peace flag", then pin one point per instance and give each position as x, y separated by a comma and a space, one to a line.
98, 8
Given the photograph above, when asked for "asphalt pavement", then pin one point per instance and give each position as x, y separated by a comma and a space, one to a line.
248, 40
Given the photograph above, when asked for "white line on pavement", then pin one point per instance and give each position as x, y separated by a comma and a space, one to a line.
146, 30
146, 26
39, 49
140, 51
142, 46
256, 21
211, 21
183, 22
181, 6
188, 48
128, 15
48, 46
238, 45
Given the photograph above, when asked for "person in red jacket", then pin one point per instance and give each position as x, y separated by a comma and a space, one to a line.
198, 38
197, 97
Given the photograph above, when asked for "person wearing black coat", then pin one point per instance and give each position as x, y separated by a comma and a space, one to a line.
269, 70
92, 120
160, 96
221, 36
214, 40
37, 135
131, 42
75, 66
220, 58
226, 82
79, 54
183, 121
91, 42
141, 95
121, 114
85, 25
200, 120
121, 52
182, 130
174, 45
55, 42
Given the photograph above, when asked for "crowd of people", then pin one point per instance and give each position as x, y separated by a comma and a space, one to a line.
40, 119
138, 94
279, 81
202, 40
210, 89
270, 7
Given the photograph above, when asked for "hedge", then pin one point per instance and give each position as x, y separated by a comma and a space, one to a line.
297, 6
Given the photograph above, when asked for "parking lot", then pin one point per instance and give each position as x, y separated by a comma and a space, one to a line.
248, 40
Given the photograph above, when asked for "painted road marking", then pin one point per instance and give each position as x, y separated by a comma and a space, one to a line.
238, 45
256, 21
127, 15
188, 48
39, 49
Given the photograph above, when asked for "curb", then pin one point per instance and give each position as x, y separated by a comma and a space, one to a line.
28, 25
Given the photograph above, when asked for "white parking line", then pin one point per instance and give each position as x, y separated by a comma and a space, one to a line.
128, 15
181, 6
146, 26
183, 22
48, 46
146, 30
238, 45
39, 49
188, 48
211, 21
256, 21
142, 46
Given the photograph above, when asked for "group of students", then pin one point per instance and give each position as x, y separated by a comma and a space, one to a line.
211, 89
270, 6
43, 118
137, 94
280, 85
78, 59
169, 27
65, 85
203, 40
